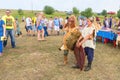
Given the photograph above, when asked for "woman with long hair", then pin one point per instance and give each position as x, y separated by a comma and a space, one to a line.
88, 42
40, 24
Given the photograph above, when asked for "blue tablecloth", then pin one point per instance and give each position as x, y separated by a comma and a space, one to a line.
107, 34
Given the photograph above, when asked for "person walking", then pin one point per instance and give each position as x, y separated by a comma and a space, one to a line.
10, 28
29, 25
18, 32
40, 24
56, 23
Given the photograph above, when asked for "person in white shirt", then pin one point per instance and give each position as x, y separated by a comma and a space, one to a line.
29, 25
66, 19
80, 22
45, 26
88, 42
50, 26
61, 22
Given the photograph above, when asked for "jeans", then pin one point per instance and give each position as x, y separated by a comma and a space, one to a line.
90, 54
11, 34
45, 31
1, 46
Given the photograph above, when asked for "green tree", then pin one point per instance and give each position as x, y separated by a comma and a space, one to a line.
104, 12
75, 11
20, 12
87, 13
118, 13
48, 10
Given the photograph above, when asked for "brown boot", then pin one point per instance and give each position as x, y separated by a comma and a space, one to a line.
65, 60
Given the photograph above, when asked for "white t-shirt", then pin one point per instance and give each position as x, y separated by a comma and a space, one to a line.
85, 22
88, 43
45, 22
107, 23
50, 23
80, 22
28, 21
61, 20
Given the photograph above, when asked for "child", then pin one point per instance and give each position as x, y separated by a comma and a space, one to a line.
2, 35
18, 32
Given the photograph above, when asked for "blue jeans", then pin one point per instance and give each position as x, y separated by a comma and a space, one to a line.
11, 34
1, 46
29, 27
45, 31
90, 54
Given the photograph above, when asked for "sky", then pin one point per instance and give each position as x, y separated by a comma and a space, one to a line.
62, 5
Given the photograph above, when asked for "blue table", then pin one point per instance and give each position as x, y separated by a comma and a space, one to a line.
107, 35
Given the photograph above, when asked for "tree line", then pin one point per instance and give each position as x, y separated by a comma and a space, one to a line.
87, 12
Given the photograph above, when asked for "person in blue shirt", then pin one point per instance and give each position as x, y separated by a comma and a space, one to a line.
2, 35
56, 23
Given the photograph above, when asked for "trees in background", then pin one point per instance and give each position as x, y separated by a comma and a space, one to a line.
75, 11
87, 13
48, 10
104, 12
118, 13
20, 12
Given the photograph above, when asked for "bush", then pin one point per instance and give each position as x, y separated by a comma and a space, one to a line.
104, 12
87, 13
118, 13
20, 12
48, 10
75, 11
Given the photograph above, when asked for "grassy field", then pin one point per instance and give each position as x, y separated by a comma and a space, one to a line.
41, 60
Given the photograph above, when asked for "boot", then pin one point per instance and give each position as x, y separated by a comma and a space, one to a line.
65, 60
88, 67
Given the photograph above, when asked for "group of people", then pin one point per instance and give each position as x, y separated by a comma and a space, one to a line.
107, 24
86, 42
8, 27
43, 26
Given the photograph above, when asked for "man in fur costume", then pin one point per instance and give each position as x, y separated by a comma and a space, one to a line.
70, 39
68, 28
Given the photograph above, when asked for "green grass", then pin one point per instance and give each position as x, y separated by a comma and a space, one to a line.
41, 60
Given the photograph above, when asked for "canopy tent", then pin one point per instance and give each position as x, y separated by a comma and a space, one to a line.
111, 12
